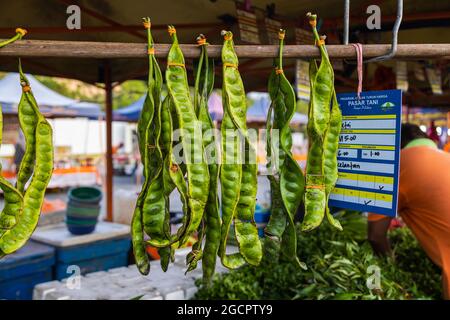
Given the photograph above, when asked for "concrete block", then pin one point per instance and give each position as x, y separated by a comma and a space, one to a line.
190, 292
57, 295
118, 270
173, 294
129, 282
96, 274
41, 290
152, 296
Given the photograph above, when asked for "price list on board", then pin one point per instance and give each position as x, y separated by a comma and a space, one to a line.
369, 152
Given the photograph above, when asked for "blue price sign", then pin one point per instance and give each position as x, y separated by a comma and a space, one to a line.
369, 152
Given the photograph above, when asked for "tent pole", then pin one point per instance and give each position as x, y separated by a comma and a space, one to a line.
109, 162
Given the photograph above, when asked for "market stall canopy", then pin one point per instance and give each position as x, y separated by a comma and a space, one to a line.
87, 109
131, 112
258, 110
119, 21
51, 103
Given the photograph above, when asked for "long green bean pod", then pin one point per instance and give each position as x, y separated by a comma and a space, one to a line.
191, 141
238, 180
12, 211
28, 118
203, 87
291, 180
16, 237
323, 131
330, 150
146, 132
277, 222
25, 212
13, 198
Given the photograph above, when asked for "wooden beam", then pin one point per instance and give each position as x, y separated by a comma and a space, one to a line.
114, 50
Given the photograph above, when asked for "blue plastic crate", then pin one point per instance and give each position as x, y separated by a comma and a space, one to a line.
107, 247
22, 270
91, 257
261, 227
262, 216
261, 232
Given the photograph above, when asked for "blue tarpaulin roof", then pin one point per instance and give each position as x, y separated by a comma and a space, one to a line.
86, 109
258, 110
130, 112
50, 102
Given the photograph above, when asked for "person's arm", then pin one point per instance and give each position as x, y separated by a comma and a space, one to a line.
377, 233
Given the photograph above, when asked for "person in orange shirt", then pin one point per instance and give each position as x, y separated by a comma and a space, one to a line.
423, 200
447, 146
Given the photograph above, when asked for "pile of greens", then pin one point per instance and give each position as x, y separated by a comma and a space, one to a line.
338, 265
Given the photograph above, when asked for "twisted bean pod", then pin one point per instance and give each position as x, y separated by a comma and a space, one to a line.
22, 208
330, 149
13, 208
291, 180
28, 119
230, 178
239, 200
323, 130
193, 195
203, 87
196, 167
146, 136
13, 198
277, 221
16, 237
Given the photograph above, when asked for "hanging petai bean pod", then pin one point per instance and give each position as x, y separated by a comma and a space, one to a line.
13, 207
289, 185
323, 131
40, 163
146, 136
195, 194
238, 171
212, 223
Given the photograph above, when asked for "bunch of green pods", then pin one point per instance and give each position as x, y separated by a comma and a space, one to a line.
23, 204
324, 126
215, 174
285, 175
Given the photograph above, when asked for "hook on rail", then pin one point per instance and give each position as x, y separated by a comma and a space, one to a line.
395, 30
